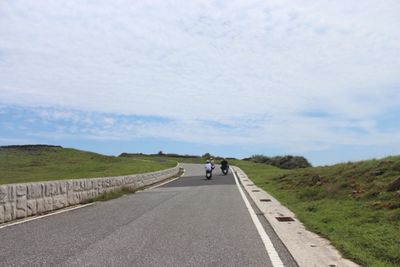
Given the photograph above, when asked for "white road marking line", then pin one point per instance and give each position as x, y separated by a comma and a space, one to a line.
272, 253
43, 216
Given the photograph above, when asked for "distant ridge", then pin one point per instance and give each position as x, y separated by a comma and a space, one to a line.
29, 147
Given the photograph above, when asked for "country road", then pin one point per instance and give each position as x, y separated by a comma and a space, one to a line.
190, 221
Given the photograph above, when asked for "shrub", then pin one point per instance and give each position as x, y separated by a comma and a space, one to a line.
285, 162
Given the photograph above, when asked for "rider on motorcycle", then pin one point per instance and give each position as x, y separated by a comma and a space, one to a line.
209, 169
224, 166
208, 166
212, 163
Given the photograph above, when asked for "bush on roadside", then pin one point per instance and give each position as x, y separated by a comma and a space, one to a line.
283, 162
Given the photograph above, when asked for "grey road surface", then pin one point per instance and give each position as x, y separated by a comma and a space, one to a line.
188, 222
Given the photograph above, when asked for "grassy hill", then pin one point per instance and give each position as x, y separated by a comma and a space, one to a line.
165, 157
19, 164
355, 205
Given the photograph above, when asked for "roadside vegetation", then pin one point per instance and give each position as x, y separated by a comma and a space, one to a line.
355, 205
125, 191
112, 195
283, 162
32, 163
165, 157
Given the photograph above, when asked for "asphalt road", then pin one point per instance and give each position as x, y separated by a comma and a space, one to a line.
188, 222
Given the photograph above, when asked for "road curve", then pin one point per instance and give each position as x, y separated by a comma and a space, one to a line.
188, 222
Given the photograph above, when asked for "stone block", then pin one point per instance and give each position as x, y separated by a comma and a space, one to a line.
21, 207
139, 183
21, 214
63, 187
9, 212
1, 213
94, 193
47, 189
82, 185
100, 191
31, 207
48, 204
88, 185
94, 184
40, 205
3, 194
20, 190
83, 196
133, 180
35, 190
73, 198
55, 188
70, 186
70, 198
12, 194
77, 186
127, 180
60, 201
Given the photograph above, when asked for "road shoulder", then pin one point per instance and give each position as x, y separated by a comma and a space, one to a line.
307, 248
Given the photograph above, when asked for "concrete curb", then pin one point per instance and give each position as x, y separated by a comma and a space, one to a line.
307, 248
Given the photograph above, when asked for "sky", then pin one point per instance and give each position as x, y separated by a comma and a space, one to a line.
319, 78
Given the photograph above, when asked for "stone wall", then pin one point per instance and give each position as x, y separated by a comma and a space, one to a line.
18, 201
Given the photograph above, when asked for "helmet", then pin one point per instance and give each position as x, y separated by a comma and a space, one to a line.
208, 161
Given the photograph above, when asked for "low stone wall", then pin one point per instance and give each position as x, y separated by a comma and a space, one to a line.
22, 200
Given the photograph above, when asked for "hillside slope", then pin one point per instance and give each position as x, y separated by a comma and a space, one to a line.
355, 205
31, 163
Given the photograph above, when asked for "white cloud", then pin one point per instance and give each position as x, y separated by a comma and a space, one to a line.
256, 66
298, 134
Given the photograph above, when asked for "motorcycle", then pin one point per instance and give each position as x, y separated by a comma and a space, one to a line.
209, 168
208, 174
225, 169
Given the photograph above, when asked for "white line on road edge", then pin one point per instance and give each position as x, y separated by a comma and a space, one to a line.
42, 216
273, 255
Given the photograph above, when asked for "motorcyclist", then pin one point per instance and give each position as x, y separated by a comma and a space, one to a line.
224, 166
209, 169
208, 166
212, 163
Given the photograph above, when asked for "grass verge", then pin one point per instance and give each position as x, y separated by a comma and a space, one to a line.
126, 190
112, 195
349, 204
25, 164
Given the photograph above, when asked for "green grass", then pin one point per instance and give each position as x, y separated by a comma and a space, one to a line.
167, 158
346, 203
113, 194
124, 191
21, 165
